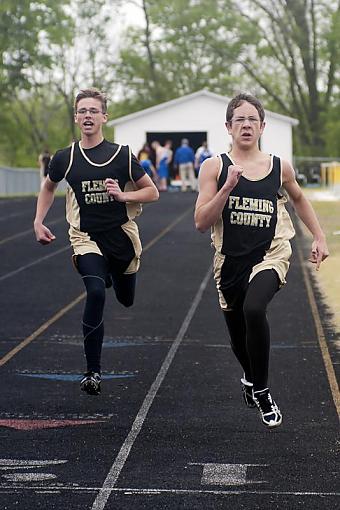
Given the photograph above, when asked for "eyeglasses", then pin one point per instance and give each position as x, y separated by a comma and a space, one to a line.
241, 120
92, 111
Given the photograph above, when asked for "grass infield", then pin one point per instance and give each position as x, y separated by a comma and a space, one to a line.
328, 277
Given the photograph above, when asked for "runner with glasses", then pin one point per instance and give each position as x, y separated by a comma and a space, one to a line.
105, 187
240, 200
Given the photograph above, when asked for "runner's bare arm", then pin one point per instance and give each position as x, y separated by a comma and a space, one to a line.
210, 202
305, 211
44, 203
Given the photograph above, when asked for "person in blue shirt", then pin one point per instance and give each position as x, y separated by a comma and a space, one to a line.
163, 159
149, 168
184, 160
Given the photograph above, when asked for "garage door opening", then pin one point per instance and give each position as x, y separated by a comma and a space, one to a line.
195, 140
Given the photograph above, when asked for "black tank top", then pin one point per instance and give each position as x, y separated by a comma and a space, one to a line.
97, 210
250, 215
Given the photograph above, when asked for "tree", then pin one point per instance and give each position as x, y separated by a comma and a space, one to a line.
40, 93
174, 53
296, 60
87, 62
285, 51
28, 31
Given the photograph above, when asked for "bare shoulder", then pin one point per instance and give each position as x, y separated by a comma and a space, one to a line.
208, 177
210, 167
288, 172
49, 184
289, 181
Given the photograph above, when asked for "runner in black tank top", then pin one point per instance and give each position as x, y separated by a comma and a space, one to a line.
105, 186
249, 222
240, 201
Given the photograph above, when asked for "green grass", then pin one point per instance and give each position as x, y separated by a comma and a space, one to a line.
328, 276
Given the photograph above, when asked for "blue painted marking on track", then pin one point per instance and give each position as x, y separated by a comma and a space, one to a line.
122, 343
74, 377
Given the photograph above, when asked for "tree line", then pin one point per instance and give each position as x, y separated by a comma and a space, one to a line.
287, 52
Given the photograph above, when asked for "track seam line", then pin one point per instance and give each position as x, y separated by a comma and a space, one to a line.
34, 263
29, 231
40, 330
167, 229
117, 466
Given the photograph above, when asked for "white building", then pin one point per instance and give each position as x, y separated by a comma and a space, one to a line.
199, 116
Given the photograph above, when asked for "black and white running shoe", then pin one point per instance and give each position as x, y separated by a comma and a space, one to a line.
270, 413
90, 383
247, 392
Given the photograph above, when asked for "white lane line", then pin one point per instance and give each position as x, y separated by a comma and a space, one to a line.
150, 492
28, 477
35, 262
124, 452
227, 474
224, 492
19, 463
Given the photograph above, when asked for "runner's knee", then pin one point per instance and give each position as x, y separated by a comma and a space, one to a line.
96, 294
253, 310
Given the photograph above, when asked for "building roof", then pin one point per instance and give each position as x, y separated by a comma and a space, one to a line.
182, 99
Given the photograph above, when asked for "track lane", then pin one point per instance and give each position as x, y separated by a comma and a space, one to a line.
196, 416
118, 407
165, 230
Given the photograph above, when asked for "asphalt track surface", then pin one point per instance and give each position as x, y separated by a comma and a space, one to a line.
170, 430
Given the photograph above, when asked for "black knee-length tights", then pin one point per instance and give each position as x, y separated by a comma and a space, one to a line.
94, 270
249, 329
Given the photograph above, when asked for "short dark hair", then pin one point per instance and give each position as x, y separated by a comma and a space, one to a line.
91, 92
239, 100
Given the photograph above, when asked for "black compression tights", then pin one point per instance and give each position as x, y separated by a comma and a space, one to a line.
94, 270
249, 329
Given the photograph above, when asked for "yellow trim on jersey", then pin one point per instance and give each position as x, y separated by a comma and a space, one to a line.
218, 263
133, 209
72, 208
82, 244
221, 167
71, 160
262, 176
278, 255
99, 164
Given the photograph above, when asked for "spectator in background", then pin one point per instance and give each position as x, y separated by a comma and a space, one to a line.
144, 157
149, 169
44, 160
144, 153
202, 153
184, 159
163, 158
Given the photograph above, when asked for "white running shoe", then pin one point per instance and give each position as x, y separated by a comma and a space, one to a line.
270, 414
90, 383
